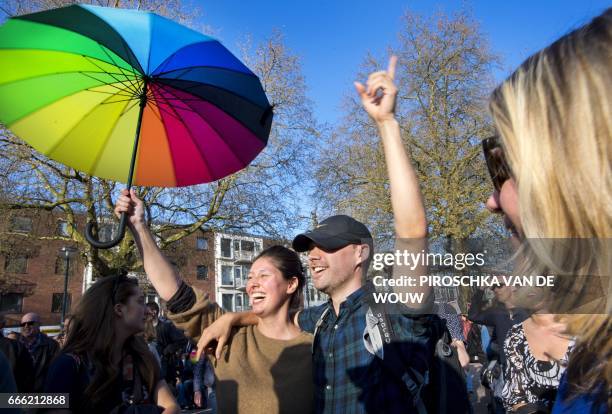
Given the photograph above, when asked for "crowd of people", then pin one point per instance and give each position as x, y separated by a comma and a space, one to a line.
550, 167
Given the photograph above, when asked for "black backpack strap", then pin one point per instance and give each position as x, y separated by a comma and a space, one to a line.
318, 326
380, 340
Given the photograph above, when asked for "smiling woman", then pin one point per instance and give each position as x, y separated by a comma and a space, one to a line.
264, 368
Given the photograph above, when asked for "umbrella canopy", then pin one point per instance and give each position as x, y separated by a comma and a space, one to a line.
130, 96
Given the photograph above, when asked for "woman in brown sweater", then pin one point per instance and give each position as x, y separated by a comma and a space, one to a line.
265, 368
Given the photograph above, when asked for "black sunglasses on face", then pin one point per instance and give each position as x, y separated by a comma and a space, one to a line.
29, 323
496, 161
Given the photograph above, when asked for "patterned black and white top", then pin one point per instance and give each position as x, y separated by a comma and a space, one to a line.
528, 380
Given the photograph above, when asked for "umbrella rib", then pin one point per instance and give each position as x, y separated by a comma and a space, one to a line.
117, 79
154, 99
190, 68
129, 108
112, 85
231, 150
197, 84
112, 93
105, 50
166, 100
136, 74
120, 100
59, 141
201, 99
180, 119
161, 109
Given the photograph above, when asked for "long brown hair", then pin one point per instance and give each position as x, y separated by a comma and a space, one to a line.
92, 335
553, 115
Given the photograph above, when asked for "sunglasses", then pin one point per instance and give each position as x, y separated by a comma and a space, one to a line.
496, 161
30, 323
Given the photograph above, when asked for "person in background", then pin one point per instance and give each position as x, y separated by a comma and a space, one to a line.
150, 337
501, 315
551, 166
105, 365
203, 385
19, 360
451, 318
42, 349
479, 395
537, 352
61, 337
473, 340
184, 374
169, 340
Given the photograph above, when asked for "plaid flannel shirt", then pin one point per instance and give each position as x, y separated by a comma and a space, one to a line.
347, 378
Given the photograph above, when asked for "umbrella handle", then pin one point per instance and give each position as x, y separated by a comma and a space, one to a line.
111, 243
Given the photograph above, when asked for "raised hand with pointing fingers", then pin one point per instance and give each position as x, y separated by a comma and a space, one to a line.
379, 94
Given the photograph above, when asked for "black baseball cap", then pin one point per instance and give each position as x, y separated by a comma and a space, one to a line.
334, 233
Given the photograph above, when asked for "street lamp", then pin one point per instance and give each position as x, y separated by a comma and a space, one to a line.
67, 251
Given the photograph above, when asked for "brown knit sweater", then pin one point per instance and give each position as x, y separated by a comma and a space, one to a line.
255, 374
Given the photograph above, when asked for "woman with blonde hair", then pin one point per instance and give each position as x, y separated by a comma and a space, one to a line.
552, 175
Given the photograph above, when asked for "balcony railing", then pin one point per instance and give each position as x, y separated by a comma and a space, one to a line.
240, 284
243, 256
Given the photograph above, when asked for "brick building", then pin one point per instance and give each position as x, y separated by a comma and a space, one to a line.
32, 271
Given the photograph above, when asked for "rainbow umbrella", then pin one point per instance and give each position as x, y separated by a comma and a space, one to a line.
129, 96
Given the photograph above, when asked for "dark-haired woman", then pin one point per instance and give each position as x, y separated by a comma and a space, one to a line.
264, 368
104, 365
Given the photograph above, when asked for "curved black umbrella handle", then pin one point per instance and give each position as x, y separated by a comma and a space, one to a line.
111, 243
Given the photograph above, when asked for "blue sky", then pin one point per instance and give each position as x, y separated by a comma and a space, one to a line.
332, 37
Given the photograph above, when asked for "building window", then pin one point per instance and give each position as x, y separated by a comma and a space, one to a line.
21, 224
227, 301
60, 266
62, 228
106, 232
237, 273
202, 272
57, 302
16, 264
248, 246
226, 247
239, 307
236, 245
201, 243
11, 302
227, 277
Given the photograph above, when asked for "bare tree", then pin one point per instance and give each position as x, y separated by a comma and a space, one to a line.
444, 78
